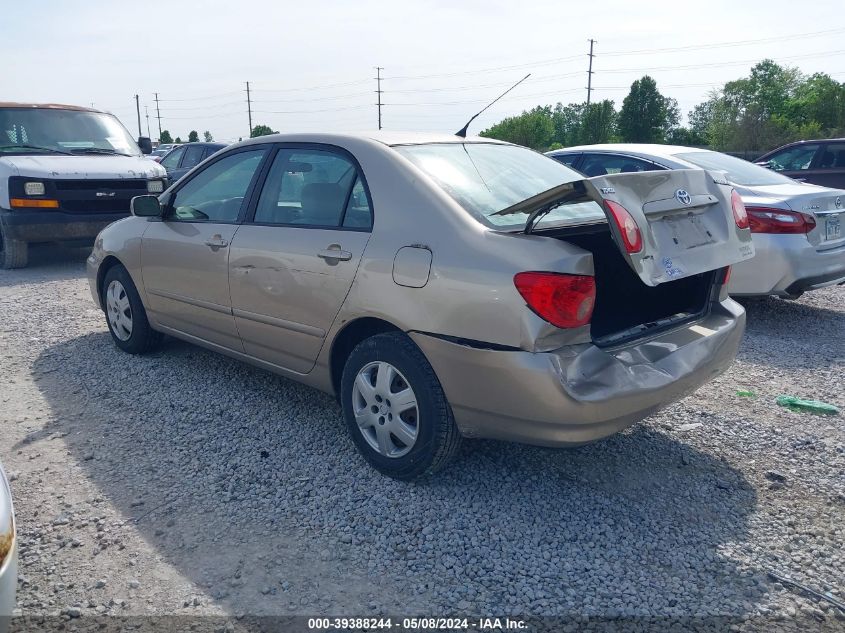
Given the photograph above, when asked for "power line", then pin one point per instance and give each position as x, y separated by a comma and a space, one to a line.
648, 51
720, 64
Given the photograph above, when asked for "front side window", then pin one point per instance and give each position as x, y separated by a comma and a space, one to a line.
171, 161
52, 130
485, 178
216, 193
566, 159
793, 159
193, 156
313, 188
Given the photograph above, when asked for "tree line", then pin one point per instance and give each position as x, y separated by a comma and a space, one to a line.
772, 106
193, 135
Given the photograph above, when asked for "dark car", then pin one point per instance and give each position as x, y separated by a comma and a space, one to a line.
820, 162
180, 160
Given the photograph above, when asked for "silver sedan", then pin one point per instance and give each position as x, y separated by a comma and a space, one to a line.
798, 228
8, 554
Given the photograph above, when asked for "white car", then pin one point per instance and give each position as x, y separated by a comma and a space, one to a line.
798, 228
8, 554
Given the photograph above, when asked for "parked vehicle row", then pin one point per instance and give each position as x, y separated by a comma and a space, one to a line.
440, 287
181, 159
798, 228
65, 173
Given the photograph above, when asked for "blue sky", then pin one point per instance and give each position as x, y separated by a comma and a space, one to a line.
311, 64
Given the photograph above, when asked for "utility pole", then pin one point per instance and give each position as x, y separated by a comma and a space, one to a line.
138, 110
249, 108
158, 116
378, 92
147, 114
590, 72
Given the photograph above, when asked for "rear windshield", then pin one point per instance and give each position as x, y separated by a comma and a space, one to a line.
485, 178
740, 172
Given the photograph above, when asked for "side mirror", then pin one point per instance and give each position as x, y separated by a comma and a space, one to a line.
145, 207
145, 144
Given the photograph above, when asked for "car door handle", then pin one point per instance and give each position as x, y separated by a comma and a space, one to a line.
335, 253
217, 241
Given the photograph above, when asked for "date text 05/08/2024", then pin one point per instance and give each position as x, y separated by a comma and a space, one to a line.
415, 624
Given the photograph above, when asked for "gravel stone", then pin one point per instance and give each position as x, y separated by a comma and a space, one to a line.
259, 487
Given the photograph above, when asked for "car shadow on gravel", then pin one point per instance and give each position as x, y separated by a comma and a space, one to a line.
249, 486
48, 262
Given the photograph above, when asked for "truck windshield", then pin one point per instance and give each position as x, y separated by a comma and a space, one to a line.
52, 130
487, 177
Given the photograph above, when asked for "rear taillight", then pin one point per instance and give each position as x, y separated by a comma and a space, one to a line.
631, 236
780, 221
726, 275
739, 211
565, 301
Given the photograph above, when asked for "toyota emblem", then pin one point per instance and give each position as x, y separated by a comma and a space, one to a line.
683, 197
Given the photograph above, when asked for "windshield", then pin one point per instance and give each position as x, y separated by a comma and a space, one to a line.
46, 130
740, 172
485, 178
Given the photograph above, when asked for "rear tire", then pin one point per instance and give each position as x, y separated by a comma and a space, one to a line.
125, 314
13, 253
411, 436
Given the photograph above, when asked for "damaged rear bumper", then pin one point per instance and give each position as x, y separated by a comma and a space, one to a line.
581, 393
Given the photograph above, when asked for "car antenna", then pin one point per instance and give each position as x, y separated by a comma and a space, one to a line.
463, 131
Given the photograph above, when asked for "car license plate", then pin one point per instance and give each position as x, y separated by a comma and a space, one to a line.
832, 228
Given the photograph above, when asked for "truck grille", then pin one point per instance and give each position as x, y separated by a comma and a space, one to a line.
98, 196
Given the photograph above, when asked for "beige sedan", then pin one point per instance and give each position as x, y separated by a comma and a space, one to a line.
441, 287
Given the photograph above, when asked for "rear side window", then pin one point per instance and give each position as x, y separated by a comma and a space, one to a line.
793, 158
313, 187
566, 159
604, 164
832, 156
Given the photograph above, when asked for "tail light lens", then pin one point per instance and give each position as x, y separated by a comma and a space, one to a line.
565, 301
738, 207
726, 275
631, 236
779, 221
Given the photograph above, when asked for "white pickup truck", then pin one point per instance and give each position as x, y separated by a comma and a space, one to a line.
65, 173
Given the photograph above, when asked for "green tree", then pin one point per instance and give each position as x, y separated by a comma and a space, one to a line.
598, 123
207, 136
533, 129
261, 130
193, 137
646, 115
165, 137
178, 140
819, 99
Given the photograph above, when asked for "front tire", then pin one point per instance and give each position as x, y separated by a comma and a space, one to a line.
395, 408
13, 253
125, 314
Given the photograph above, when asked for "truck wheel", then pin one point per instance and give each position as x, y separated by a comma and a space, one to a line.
13, 253
125, 314
395, 408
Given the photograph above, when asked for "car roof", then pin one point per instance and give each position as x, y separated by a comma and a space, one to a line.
47, 106
651, 149
387, 138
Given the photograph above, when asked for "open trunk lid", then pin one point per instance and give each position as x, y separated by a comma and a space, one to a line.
684, 217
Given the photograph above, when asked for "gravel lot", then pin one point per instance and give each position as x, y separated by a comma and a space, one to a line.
187, 483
